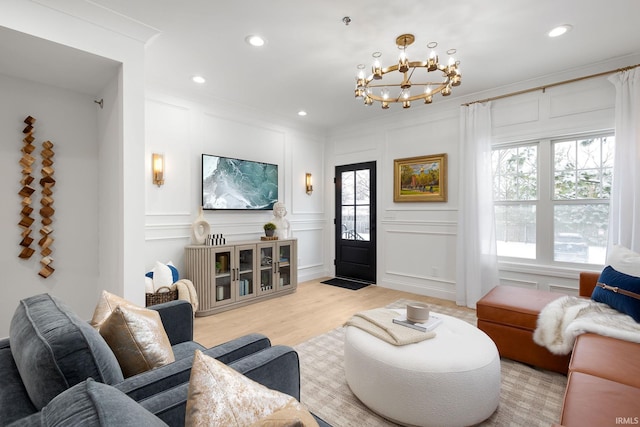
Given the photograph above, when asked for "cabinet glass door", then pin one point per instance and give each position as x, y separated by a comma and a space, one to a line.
267, 266
284, 265
245, 272
224, 276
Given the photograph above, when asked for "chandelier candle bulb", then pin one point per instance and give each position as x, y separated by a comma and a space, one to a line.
403, 63
376, 68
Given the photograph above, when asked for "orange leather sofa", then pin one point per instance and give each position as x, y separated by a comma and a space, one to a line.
603, 384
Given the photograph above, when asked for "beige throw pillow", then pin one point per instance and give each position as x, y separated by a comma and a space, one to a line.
106, 304
220, 396
624, 260
137, 338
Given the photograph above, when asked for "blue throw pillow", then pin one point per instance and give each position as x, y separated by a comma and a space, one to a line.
622, 303
174, 273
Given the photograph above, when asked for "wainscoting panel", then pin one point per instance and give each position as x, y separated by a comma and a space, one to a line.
581, 98
547, 278
527, 284
310, 235
416, 256
564, 289
515, 111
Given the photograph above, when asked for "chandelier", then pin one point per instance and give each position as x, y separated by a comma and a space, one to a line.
402, 88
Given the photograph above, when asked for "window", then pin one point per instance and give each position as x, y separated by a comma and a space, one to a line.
356, 209
551, 198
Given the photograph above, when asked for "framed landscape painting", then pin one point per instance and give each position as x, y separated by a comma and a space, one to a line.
420, 179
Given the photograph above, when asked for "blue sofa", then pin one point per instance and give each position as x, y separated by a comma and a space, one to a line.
51, 351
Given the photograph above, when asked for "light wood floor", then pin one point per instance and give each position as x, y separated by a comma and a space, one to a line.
312, 310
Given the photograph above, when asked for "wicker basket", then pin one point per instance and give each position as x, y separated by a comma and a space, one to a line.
160, 297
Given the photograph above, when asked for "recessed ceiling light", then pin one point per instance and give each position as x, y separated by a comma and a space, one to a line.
255, 40
198, 79
560, 30
302, 113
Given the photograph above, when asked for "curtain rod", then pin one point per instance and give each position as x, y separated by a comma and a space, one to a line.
543, 87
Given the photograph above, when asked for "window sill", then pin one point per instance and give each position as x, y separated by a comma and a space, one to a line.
568, 271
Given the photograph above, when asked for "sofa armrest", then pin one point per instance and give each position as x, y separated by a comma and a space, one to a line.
155, 381
277, 366
177, 319
588, 282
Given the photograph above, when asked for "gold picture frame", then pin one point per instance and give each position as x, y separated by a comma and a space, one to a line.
420, 179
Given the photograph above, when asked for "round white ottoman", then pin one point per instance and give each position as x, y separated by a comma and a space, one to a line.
450, 380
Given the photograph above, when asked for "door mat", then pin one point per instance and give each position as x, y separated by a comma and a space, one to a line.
347, 284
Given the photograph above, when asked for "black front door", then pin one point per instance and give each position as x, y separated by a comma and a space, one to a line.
356, 221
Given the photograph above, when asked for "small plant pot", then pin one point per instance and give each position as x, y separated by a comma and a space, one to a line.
269, 233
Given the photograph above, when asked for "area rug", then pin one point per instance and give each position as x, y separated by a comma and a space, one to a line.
345, 283
528, 396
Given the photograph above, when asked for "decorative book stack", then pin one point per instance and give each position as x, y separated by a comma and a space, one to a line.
433, 322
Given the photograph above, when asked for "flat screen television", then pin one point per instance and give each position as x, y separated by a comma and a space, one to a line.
236, 184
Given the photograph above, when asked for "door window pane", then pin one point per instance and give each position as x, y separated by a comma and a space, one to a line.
348, 222
362, 187
363, 220
348, 195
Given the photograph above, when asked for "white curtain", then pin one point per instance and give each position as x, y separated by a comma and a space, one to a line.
624, 214
476, 260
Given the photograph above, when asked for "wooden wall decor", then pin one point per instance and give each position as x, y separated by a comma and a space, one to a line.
46, 201
46, 211
27, 190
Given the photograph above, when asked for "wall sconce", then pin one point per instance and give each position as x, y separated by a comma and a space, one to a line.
157, 168
307, 182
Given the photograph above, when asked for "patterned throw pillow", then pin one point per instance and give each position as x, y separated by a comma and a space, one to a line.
163, 275
220, 396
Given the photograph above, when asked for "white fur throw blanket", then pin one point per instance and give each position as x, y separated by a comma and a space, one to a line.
561, 321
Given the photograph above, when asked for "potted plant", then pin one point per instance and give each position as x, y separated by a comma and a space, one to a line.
269, 229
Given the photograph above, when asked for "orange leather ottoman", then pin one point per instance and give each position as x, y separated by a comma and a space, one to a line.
509, 316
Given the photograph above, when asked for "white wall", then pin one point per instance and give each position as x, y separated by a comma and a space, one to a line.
185, 129
70, 121
117, 139
417, 241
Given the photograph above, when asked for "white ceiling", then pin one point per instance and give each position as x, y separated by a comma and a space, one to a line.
310, 58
